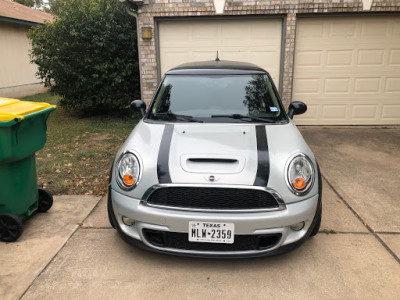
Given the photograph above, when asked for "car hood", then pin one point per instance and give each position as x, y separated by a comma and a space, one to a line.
215, 154
227, 153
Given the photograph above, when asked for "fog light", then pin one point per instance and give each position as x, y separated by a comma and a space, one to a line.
297, 226
128, 221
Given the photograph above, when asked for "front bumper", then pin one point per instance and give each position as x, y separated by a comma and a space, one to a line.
249, 223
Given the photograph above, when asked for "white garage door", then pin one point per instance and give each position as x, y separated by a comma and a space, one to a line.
256, 41
347, 70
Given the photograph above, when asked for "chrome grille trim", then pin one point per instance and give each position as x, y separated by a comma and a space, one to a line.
278, 198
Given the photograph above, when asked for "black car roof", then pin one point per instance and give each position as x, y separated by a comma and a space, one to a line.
216, 67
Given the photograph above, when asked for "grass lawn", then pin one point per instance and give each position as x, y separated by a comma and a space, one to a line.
79, 151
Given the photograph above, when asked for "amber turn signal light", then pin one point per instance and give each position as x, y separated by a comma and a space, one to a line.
129, 180
299, 183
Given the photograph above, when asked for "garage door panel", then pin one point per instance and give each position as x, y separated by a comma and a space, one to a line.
391, 112
374, 28
267, 36
307, 86
334, 111
352, 85
394, 57
177, 35
239, 34
364, 112
351, 68
396, 29
311, 30
367, 85
370, 56
256, 41
206, 33
337, 85
342, 29
309, 58
392, 85
339, 57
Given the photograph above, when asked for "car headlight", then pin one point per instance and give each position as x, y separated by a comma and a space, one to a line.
127, 171
300, 174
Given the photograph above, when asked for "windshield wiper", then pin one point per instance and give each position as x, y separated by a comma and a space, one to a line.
241, 117
177, 116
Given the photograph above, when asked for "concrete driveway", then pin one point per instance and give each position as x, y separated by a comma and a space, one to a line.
356, 254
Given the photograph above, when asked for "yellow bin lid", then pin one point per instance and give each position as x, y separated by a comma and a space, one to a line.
11, 109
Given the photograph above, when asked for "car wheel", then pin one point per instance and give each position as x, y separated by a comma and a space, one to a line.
45, 200
111, 216
319, 217
10, 227
317, 225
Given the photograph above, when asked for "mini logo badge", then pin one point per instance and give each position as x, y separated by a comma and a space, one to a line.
211, 178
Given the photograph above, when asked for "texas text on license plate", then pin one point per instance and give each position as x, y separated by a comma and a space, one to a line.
211, 232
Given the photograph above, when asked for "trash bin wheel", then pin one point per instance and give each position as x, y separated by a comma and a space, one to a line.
10, 227
45, 200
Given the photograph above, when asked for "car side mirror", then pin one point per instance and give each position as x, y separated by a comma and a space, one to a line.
296, 108
139, 105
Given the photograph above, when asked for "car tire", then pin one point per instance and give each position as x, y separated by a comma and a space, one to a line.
110, 210
319, 217
317, 225
111, 216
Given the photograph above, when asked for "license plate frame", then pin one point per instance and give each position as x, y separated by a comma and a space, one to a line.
211, 232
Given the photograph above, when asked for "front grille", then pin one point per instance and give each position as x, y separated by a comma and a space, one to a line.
213, 198
177, 240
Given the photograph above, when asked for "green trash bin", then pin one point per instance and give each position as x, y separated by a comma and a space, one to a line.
22, 133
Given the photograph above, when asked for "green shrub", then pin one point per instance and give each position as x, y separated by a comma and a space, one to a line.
88, 56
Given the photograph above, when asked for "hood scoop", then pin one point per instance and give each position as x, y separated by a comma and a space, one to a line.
213, 160
212, 163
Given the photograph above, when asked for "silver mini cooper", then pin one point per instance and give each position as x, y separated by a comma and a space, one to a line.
216, 168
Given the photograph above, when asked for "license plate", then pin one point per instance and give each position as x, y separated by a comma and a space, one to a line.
211, 232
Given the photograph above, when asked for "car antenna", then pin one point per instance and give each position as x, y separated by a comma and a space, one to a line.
217, 59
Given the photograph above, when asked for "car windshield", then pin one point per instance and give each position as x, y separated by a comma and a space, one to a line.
216, 98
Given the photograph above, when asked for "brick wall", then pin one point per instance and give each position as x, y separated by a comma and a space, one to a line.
289, 8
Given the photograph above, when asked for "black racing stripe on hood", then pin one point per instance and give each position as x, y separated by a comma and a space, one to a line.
163, 155
262, 175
